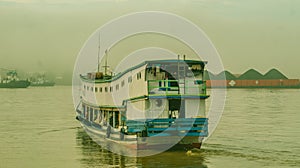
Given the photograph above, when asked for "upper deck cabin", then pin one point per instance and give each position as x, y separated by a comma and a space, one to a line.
152, 89
150, 77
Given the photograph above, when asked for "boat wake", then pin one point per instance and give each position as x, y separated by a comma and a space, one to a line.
57, 130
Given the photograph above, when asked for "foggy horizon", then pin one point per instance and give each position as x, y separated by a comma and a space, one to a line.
48, 35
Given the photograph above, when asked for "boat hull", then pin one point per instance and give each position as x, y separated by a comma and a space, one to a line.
15, 84
131, 145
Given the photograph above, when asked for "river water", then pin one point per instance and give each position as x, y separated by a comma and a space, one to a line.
259, 128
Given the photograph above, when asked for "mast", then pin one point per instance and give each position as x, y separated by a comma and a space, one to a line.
99, 53
105, 62
105, 66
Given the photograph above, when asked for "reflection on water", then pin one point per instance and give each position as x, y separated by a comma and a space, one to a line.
95, 156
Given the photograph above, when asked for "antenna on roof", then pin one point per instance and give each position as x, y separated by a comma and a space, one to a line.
99, 54
105, 66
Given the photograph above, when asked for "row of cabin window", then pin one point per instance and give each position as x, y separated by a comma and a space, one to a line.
138, 76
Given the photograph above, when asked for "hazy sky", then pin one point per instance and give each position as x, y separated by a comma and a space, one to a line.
46, 35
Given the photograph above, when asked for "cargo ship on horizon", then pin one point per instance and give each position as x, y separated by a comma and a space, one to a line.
11, 80
40, 81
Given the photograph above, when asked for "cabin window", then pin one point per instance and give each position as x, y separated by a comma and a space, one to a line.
92, 89
87, 113
91, 114
122, 83
96, 114
84, 87
196, 69
111, 89
87, 88
138, 75
96, 89
129, 79
104, 117
116, 123
117, 87
106, 89
83, 107
100, 89
110, 118
100, 113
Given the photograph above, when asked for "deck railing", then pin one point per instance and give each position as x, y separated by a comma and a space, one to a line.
169, 127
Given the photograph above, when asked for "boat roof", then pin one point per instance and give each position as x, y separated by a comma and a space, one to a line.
151, 62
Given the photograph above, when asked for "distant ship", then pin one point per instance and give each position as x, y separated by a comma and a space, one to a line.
40, 80
43, 83
12, 81
156, 104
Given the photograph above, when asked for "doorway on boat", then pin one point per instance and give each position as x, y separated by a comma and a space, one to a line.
176, 108
114, 118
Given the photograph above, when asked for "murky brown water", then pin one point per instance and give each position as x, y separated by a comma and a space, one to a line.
259, 128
